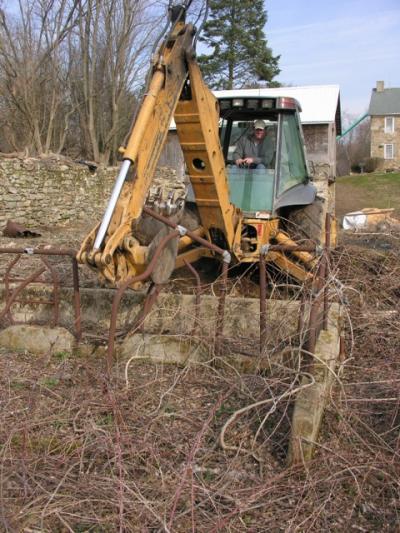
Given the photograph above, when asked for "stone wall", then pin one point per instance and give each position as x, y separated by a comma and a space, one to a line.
50, 192
379, 138
317, 142
36, 192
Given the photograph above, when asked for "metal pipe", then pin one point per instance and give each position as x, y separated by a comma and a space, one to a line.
221, 309
77, 300
263, 305
148, 304
348, 130
39, 251
55, 281
187, 241
197, 295
302, 309
7, 283
191, 234
112, 203
56, 291
19, 289
342, 346
149, 270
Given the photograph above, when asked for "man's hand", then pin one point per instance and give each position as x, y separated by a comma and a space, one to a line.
245, 161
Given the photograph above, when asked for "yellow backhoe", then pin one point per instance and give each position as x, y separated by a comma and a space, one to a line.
234, 212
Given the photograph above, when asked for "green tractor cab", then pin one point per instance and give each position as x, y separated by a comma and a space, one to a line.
281, 180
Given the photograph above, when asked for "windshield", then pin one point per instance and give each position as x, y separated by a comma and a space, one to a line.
251, 184
251, 149
292, 168
252, 190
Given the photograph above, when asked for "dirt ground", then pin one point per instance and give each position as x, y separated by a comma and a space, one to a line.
143, 451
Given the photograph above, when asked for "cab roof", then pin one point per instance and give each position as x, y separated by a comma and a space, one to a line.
320, 104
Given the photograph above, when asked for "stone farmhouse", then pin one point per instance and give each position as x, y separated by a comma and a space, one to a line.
384, 110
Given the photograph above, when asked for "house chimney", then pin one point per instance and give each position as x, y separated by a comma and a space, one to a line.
380, 86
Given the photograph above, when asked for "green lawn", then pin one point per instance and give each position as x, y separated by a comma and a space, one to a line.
368, 190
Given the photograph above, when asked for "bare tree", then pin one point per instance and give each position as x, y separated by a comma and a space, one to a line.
110, 54
33, 74
71, 72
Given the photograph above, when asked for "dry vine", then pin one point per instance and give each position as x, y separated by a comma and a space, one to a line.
141, 453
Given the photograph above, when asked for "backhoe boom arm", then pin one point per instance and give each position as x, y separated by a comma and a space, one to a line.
112, 248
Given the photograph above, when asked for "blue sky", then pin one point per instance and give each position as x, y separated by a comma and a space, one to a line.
351, 43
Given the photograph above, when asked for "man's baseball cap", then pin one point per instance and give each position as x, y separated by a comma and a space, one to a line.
259, 124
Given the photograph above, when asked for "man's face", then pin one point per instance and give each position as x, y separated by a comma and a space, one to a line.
259, 133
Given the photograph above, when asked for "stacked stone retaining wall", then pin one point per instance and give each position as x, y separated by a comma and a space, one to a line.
51, 192
35, 192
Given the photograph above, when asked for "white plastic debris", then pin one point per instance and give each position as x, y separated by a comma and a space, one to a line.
354, 221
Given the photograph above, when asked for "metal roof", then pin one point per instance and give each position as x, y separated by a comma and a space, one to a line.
320, 104
386, 102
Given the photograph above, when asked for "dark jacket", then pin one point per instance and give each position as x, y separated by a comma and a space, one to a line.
262, 152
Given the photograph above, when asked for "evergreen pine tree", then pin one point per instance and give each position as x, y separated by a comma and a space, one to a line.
239, 53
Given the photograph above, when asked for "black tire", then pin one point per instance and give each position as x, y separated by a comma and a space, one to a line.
307, 222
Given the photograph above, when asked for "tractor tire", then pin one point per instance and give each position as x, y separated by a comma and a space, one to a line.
308, 222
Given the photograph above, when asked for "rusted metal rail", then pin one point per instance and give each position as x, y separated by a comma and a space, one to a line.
13, 295
318, 318
178, 231
320, 291
191, 268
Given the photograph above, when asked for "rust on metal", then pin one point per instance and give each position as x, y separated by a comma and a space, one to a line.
77, 300
39, 251
302, 310
315, 321
146, 274
13, 229
263, 304
117, 298
221, 309
151, 299
342, 347
314, 318
197, 295
191, 234
12, 295
56, 292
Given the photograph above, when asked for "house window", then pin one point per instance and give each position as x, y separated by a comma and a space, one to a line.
388, 151
389, 124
